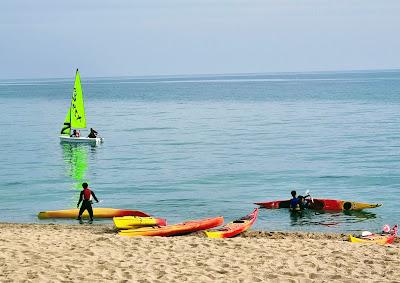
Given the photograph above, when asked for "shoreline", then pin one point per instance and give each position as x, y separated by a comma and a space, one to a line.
73, 252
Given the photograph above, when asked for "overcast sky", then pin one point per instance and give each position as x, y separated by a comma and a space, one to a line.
50, 38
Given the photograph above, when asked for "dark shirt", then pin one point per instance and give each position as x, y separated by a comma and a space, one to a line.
294, 202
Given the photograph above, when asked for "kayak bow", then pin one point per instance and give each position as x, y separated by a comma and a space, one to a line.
235, 227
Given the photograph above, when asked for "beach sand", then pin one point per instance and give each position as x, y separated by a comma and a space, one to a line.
65, 253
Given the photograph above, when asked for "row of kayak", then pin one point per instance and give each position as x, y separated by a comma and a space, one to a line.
133, 223
137, 223
130, 226
317, 204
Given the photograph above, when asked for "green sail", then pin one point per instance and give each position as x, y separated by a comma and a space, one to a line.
76, 113
66, 130
78, 120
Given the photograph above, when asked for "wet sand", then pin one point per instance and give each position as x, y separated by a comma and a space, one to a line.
65, 253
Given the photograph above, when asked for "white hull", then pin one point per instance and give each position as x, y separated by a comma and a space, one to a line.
81, 140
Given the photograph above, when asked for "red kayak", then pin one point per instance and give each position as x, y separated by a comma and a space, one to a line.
321, 204
235, 227
177, 229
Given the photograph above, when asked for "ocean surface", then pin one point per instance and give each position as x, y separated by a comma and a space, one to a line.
187, 147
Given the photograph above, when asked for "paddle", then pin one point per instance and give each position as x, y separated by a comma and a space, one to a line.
307, 194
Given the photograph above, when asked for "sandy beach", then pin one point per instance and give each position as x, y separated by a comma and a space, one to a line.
65, 253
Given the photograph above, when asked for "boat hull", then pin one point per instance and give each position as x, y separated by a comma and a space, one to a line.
374, 239
234, 228
67, 139
131, 222
97, 213
177, 229
321, 204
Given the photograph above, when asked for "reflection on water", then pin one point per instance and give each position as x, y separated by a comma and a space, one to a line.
328, 218
76, 161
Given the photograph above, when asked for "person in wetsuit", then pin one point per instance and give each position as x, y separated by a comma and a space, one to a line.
84, 197
93, 133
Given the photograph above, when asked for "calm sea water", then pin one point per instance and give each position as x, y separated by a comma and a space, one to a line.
193, 147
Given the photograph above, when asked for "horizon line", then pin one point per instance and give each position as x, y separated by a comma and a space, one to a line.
209, 74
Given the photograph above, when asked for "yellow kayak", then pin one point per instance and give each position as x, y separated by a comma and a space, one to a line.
131, 222
374, 239
101, 212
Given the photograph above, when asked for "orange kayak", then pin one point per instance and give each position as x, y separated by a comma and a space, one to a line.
177, 229
100, 212
235, 227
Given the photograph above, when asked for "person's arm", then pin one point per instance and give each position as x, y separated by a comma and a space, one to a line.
94, 196
80, 199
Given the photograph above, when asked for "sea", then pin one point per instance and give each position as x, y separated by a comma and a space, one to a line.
190, 147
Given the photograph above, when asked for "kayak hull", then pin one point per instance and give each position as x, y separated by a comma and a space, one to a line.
131, 222
68, 139
234, 228
374, 239
97, 213
177, 229
321, 204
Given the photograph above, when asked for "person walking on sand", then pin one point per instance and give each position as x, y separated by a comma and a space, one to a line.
84, 197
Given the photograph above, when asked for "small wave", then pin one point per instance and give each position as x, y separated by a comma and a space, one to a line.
333, 177
149, 129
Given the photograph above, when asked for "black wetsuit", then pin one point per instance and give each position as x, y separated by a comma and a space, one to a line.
92, 134
86, 205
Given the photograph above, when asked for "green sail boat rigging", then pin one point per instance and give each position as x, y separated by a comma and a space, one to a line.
76, 113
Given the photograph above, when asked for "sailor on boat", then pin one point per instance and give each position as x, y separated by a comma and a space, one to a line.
75, 134
93, 133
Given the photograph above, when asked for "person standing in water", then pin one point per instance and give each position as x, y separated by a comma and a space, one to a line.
84, 197
294, 202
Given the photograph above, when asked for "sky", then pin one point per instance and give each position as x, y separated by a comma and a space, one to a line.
50, 39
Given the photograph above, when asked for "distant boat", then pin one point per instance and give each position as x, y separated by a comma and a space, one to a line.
75, 119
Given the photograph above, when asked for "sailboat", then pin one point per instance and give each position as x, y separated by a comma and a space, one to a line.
75, 118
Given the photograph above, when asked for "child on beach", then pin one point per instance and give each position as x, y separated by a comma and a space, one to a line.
84, 197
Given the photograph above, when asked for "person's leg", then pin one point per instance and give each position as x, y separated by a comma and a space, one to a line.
90, 210
81, 210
